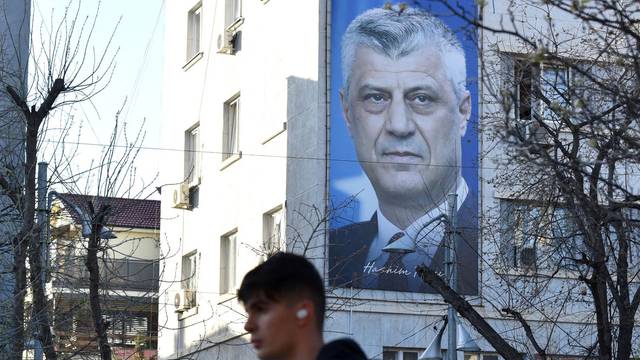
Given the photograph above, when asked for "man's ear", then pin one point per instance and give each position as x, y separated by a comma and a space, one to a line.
305, 313
345, 109
464, 107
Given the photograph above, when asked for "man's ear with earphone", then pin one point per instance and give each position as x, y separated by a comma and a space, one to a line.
302, 313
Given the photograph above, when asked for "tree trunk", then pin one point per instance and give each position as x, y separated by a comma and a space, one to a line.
625, 334
468, 312
598, 286
94, 284
21, 245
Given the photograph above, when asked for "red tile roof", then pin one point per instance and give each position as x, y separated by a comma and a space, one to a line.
128, 213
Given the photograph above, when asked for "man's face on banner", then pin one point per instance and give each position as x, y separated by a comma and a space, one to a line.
406, 122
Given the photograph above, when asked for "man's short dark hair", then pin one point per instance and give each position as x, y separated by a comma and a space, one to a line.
282, 277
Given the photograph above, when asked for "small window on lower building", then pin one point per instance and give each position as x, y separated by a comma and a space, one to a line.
481, 356
400, 354
193, 31
192, 155
233, 12
273, 232
228, 262
231, 127
189, 278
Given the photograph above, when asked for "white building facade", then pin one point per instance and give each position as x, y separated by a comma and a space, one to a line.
247, 106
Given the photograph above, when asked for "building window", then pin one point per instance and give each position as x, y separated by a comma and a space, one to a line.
228, 263
192, 155
555, 88
481, 356
231, 127
194, 197
273, 231
400, 354
233, 13
189, 281
543, 91
128, 329
529, 229
193, 31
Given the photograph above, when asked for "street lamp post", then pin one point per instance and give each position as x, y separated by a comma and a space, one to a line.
450, 272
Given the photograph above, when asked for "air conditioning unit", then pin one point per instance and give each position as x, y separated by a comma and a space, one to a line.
184, 300
227, 42
528, 257
181, 196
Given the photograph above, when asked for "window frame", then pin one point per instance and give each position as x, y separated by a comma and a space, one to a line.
482, 356
231, 142
192, 159
272, 221
189, 265
228, 263
399, 353
194, 32
189, 275
530, 225
531, 75
233, 15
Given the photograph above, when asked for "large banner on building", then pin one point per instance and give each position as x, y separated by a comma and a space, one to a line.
403, 136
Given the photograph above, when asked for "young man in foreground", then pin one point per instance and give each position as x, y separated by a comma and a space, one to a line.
285, 303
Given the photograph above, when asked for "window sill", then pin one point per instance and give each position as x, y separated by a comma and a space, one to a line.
189, 313
230, 160
192, 61
278, 132
540, 272
235, 25
226, 297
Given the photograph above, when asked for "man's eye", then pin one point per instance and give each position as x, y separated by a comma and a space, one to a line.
375, 98
420, 98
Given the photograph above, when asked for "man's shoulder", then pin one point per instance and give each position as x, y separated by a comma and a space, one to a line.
341, 349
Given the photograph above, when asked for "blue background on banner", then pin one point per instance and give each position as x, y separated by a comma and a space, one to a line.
343, 161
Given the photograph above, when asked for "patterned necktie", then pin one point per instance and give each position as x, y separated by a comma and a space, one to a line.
390, 277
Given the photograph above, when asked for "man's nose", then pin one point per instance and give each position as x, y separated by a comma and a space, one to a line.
250, 325
399, 121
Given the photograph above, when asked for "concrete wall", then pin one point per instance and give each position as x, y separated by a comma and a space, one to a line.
14, 57
139, 244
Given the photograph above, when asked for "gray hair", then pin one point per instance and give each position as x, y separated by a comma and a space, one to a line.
397, 32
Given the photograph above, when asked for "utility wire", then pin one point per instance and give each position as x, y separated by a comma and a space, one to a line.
247, 154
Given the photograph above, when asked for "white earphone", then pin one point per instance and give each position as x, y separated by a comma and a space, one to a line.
302, 313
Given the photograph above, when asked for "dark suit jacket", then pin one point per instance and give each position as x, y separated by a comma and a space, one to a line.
349, 246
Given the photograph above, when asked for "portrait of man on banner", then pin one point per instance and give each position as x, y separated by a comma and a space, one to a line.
405, 106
